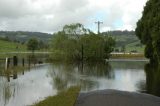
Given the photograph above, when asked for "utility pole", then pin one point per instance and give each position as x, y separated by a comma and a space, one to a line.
98, 23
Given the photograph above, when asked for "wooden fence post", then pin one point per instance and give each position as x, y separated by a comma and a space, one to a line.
23, 62
15, 75
15, 61
29, 62
7, 63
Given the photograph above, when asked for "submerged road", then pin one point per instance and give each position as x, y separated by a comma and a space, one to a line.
116, 98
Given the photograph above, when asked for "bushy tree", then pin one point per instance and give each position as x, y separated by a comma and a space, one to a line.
148, 30
32, 44
63, 47
97, 47
75, 42
93, 46
109, 45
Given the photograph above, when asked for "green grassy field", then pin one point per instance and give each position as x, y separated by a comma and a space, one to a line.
6, 46
64, 98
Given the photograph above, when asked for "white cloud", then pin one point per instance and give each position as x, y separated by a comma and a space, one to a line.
103, 29
51, 15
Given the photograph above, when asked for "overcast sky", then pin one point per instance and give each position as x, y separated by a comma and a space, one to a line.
52, 15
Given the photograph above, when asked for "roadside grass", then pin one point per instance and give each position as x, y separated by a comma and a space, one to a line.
64, 98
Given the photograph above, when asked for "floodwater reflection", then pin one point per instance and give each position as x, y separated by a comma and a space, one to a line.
84, 75
152, 79
97, 76
48, 79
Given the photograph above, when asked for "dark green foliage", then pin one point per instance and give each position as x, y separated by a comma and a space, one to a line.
42, 45
152, 79
148, 29
116, 50
63, 47
77, 43
93, 46
32, 44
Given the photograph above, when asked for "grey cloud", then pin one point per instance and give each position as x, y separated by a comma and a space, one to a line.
51, 15
72, 5
14, 8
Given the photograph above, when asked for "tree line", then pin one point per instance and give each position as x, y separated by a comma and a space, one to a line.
35, 44
23, 36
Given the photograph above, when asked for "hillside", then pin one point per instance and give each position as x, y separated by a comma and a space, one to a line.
126, 39
23, 36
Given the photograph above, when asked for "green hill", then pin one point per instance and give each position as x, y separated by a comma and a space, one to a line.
131, 43
128, 39
23, 36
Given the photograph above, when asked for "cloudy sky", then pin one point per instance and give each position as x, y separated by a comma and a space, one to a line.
52, 15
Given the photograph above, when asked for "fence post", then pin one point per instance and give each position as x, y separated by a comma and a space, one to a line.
7, 63
23, 62
15, 75
29, 62
15, 61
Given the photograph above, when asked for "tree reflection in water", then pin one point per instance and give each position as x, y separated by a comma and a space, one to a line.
84, 75
152, 79
5, 91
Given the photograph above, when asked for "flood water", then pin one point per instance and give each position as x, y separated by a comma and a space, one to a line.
48, 79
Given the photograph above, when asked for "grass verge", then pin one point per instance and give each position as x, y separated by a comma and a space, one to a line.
64, 98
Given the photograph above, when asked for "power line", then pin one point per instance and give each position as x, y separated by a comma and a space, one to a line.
98, 23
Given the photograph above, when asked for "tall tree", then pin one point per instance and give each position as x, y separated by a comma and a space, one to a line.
75, 31
148, 30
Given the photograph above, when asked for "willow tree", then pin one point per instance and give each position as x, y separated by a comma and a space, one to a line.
75, 42
148, 30
65, 43
75, 31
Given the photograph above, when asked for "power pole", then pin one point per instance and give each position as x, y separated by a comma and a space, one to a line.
98, 23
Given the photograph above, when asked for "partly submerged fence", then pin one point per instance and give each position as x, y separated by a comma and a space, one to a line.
9, 65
